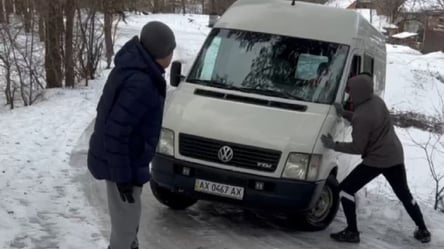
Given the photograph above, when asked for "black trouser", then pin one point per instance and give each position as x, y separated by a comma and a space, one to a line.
362, 175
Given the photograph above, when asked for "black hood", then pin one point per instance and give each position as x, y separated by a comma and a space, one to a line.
361, 89
133, 56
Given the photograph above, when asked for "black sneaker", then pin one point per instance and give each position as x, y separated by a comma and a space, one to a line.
422, 235
346, 236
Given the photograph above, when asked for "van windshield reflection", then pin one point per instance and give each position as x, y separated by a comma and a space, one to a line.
271, 65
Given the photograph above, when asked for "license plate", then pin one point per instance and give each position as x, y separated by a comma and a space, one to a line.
219, 189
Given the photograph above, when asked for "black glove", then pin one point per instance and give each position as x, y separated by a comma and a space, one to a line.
328, 141
126, 192
339, 109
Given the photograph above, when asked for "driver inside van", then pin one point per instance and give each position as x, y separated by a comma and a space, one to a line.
321, 84
321, 72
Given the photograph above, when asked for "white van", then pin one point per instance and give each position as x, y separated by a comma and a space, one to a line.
244, 126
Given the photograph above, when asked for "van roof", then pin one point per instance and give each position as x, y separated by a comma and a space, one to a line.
303, 20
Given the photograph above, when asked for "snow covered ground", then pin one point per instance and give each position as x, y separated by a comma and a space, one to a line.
48, 199
414, 78
43, 203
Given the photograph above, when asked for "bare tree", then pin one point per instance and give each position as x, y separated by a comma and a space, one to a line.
429, 4
53, 58
431, 149
90, 43
2, 12
21, 63
108, 23
7, 65
19, 7
41, 19
28, 9
23, 9
70, 7
156, 6
9, 9
390, 8
184, 7
213, 7
34, 64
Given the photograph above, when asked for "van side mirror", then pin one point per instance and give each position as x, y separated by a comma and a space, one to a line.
175, 73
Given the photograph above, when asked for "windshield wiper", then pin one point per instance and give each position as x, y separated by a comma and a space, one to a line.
218, 85
275, 94
246, 90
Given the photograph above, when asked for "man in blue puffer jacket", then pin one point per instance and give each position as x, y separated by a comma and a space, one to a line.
128, 125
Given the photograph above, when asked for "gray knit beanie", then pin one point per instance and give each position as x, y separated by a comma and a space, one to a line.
158, 39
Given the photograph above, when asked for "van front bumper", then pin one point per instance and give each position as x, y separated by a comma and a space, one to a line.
277, 194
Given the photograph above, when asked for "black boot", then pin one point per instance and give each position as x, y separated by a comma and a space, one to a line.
422, 235
346, 236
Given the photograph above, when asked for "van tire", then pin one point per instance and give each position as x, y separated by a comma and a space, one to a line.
322, 214
173, 200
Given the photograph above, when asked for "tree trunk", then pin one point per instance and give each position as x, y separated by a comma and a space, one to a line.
53, 58
41, 19
171, 6
42, 31
203, 7
27, 14
91, 45
70, 7
9, 9
108, 38
156, 6
31, 70
435, 207
213, 7
20, 7
2, 12
184, 7
8, 91
60, 26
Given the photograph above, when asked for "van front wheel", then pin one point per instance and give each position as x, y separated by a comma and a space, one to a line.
173, 200
325, 209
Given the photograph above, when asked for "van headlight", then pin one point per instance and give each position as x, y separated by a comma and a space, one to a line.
302, 166
166, 142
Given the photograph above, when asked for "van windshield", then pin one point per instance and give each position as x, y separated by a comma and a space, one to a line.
271, 65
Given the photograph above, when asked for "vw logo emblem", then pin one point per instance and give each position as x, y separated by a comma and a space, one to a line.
225, 154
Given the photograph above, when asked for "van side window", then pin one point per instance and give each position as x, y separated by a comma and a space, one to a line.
356, 66
369, 64
355, 69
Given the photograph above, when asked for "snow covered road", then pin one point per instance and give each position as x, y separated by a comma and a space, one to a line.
383, 221
384, 224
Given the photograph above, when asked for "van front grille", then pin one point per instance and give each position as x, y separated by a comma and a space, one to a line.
218, 151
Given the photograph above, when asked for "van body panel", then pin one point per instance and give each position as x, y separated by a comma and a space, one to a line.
223, 116
235, 122
279, 194
279, 17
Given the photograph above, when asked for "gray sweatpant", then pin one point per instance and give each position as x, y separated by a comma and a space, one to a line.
125, 218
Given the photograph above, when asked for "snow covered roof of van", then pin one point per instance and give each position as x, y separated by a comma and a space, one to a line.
304, 20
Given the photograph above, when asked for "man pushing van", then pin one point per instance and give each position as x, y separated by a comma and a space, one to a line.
374, 138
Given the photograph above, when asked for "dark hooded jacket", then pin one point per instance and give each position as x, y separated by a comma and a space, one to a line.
129, 118
373, 132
